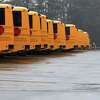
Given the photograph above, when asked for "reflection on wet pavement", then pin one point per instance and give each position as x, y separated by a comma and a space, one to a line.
74, 75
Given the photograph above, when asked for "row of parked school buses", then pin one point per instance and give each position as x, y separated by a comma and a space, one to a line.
24, 30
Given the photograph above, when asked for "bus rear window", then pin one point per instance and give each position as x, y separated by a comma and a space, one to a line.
2, 16
55, 28
17, 18
30, 21
67, 30
47, 27
40, 23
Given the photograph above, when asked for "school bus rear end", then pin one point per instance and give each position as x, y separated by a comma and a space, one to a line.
81, 38
35, 33
50, 34
72, 36
63, 36
86, 40
6, 28
59, 35
56, 34
21, 29
44, 34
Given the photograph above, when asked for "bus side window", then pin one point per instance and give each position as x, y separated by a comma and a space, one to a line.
2, 16
30, 21
17, 18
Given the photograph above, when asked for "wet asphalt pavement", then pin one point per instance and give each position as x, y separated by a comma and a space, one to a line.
57, 76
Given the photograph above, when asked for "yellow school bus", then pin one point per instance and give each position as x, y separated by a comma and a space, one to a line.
87, 40
72, 36
44, 34
21, 29
6, 28
81, 38
50, 35
35, 33
63, 36
59, 35
84, 39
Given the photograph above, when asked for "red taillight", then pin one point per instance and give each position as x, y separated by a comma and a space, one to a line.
1, 30
67, 37
55, 36
17, 31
